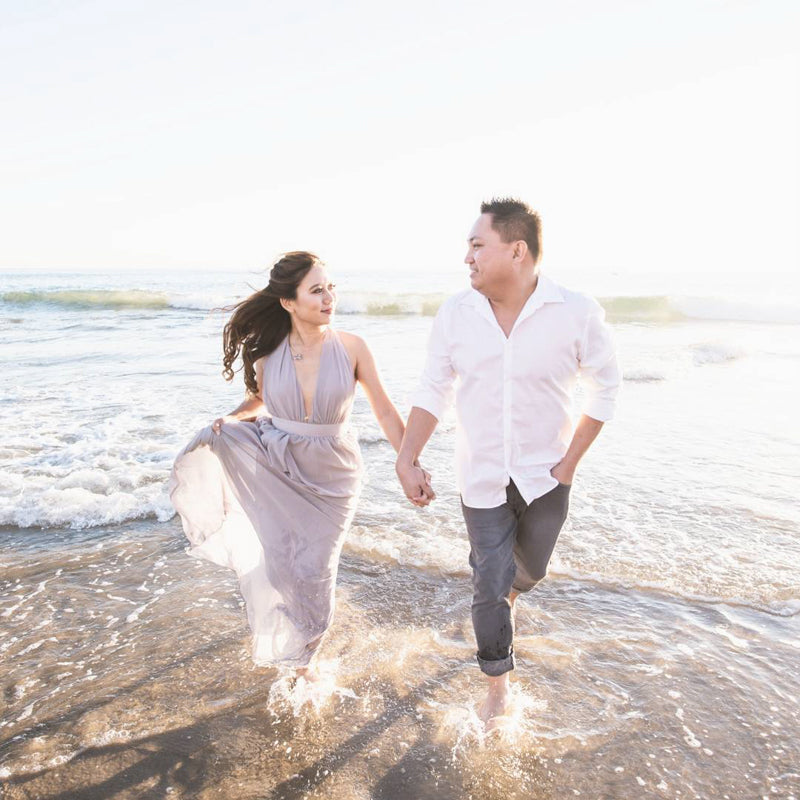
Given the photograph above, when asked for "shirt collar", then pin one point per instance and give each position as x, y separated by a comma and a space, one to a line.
546, 291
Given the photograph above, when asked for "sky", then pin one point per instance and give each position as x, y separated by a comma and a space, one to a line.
658, 139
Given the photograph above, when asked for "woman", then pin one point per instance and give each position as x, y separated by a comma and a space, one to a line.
270, 489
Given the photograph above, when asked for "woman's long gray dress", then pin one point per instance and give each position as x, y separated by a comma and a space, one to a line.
273, 500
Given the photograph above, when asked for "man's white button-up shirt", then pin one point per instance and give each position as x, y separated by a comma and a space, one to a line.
514, 394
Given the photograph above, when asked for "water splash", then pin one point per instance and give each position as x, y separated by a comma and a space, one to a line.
295, 693
462, 728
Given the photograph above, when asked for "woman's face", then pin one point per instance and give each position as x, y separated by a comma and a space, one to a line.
316, 298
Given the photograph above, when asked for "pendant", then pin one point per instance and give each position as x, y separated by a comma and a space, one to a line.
298, 357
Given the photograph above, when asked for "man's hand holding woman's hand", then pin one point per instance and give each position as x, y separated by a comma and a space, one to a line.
416, 483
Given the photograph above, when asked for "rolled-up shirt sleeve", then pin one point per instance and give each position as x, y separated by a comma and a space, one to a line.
599, 368
435, 391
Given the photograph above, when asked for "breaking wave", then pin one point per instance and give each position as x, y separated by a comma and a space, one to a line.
653, 309
81, 298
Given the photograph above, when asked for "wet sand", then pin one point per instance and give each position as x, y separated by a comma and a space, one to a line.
126, 674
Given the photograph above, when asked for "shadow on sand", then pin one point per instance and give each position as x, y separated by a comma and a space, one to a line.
188, 761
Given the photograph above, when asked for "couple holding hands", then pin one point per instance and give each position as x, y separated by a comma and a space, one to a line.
273, 495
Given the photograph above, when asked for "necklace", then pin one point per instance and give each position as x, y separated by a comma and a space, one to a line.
295, 356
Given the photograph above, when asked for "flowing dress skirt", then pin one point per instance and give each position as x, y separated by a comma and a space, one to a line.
275, 507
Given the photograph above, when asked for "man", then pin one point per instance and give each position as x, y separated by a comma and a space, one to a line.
517, 342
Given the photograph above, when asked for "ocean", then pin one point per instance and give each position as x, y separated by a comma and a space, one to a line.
659, 658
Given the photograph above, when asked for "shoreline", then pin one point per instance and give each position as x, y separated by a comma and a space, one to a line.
35, 539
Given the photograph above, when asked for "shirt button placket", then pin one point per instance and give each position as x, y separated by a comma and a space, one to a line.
507, 387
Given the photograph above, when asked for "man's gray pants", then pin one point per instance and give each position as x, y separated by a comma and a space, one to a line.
510, 547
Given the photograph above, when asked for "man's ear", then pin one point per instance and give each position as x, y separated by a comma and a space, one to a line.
520, 250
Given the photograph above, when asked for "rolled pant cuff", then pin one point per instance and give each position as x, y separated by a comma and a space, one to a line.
497, 667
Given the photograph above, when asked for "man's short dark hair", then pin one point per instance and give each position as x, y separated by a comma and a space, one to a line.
515, 220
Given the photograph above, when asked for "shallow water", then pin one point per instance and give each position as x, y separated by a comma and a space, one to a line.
658, 659
127, 672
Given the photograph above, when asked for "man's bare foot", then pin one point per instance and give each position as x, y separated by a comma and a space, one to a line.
497, 702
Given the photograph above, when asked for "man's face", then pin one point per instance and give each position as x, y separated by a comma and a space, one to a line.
489, 258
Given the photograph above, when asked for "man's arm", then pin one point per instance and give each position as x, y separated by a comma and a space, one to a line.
419, 428
585, 433
599, 368
599, 371
429, 402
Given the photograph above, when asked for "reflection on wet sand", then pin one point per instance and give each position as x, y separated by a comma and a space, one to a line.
619, 694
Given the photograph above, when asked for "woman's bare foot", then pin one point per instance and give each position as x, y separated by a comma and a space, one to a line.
309, 672
497, 702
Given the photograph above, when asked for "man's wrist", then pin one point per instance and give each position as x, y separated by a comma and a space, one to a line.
568, 464
564, 469
405, 458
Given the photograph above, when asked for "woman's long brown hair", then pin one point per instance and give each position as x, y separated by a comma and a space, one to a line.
260, 323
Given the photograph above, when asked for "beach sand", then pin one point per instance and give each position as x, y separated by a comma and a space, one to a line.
606, 706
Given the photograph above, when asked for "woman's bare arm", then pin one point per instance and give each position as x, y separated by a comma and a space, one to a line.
251, 407
388, 418
382, 407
